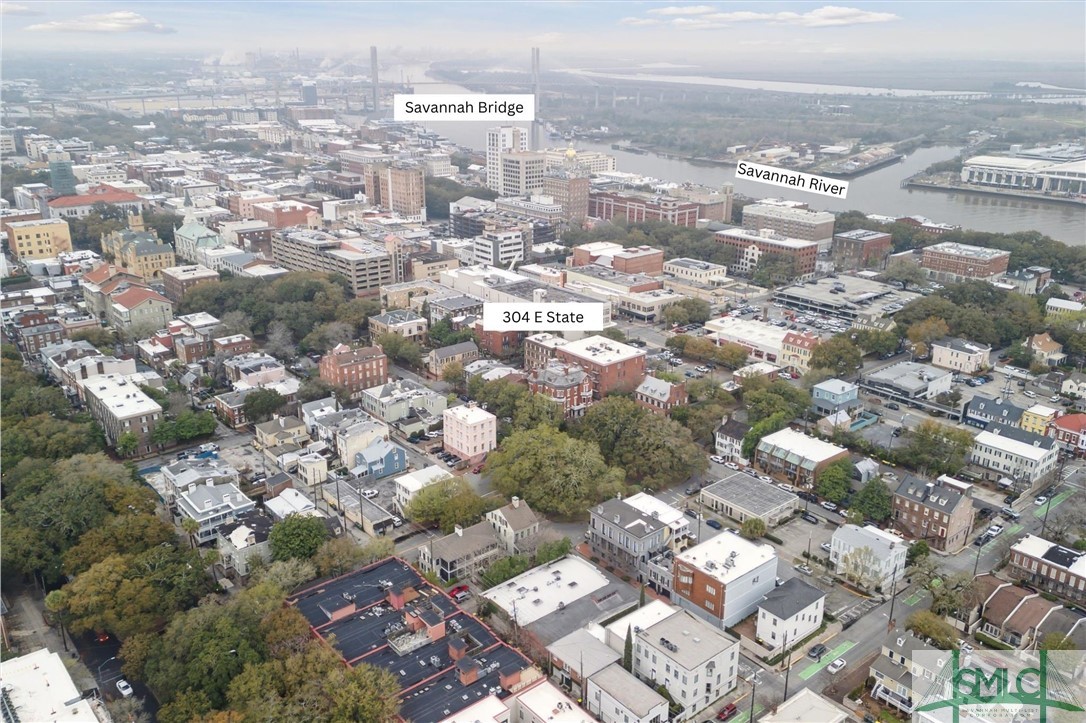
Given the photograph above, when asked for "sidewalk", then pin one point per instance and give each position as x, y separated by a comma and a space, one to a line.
28, 632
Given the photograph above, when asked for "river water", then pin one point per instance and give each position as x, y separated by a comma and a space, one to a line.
877, 192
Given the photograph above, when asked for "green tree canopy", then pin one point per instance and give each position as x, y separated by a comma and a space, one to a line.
297, 536
552, 472
875, 500
261, 404
835, 481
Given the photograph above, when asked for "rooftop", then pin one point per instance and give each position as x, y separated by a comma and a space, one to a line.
967, 347
550, 589
1064, 557
656, 388
421, 478
398, 316
879, 541
658, 510
632, 520
930, 494
694, 641
601, 350
791, 598
585, 649
713, 556
790, 442
469, 414
641, 618
750, 493
753, 332
765, 236
121, 397
910, 376
835, 387
38, 687
953, 248
632, 694
1012, 440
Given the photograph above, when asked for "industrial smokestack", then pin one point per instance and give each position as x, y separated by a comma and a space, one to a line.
373, 75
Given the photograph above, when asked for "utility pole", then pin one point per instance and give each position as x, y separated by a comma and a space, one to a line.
787, 667
1055, 489
893, 600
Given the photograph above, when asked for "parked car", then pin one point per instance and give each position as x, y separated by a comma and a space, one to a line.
397, 522
826, 546
807, 496
714, 524
805, 569
786, 487
966, 648
765, 478
829, 506
982, 540
1040, 500
727, 712
837, 666
691, 513
369, 494
1009, 513
731, 465
460, 592
817, 651
124, 688
994, 530
717, 459
808, 517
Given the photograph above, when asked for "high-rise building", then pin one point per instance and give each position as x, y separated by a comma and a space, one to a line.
61, 176
399, 187
499, 140
40, 239
501, 245
522, 173
570, 190
309, 93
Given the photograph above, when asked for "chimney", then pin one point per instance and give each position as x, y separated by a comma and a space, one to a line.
210, 481
457, 648
509, 680
469, 671
516, 502
458, 530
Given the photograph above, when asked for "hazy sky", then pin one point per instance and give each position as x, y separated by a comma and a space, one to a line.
775, 33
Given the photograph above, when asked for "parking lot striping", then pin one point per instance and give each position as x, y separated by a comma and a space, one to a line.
828, 657
1052, 503
915, 597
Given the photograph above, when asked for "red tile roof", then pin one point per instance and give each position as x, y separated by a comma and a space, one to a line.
1072, 422
97, 194
105, 272
136, 295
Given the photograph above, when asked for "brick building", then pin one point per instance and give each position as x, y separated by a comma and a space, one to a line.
751, 246
660, 396
951, 261
565, 384
281, 214
638, 207
798, 223
627, 260
611, 365
940, 513
861, 249
179, 280
354, 369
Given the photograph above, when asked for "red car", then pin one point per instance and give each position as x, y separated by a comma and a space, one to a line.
460, 592
477, 469
727, 712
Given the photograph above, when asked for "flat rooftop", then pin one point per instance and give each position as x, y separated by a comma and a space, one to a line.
911, 376
974, 252
750, 493
469, 414
546, 589
855, 295
369, 630
601, 350
756, 333
709, 556
804, 446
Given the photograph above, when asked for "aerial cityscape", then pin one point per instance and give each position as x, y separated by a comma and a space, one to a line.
529, 362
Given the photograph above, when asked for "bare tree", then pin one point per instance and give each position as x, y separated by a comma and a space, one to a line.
280, 341
861, 566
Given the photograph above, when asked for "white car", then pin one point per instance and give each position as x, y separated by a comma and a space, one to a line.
837, 666
717, 459
829, 506
826, 546
731, 465
786, 488
124, 688
1040, 500
369, 494
765, 478
995, 530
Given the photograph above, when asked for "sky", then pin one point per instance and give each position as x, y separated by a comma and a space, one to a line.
743, 33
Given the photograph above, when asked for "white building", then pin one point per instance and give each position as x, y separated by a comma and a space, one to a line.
212, 505
868, 556
695, 661
499, 246
1014, 453
909, 380
409, 485
961, 355
616, 696
789, 614
499, 140
762, 341
724, 579
700, 272
38, 687
470, 431
120, 407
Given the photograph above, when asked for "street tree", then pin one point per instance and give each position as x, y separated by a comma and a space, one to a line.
261, 404
753, 528
839, 354
297, 536
835, 481
927, 625
875, 500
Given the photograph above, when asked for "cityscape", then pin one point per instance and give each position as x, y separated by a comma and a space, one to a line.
542, 362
